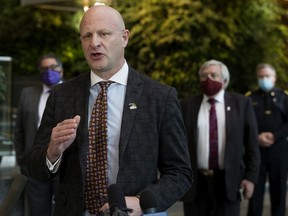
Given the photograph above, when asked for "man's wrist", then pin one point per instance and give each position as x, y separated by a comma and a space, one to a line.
52, 158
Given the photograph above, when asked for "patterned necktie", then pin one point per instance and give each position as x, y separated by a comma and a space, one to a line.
96, 170
213, 136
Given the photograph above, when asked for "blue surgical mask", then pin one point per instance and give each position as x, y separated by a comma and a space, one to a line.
265, 84
50, 77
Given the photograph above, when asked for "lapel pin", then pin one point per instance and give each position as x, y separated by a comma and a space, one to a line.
228, 108
132, 106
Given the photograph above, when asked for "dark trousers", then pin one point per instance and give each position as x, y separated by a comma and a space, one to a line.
274, 168
210, 199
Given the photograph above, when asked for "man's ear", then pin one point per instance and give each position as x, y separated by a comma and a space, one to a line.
125, 37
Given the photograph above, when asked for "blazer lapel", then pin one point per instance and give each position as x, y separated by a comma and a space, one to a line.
195, 112
81, 94
132, 100
191, 120
195, 108
228, 115
35, 103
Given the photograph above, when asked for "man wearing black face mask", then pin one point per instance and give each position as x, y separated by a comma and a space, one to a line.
30, 110
222, 138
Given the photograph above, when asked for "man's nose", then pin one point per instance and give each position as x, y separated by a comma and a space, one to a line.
96, 41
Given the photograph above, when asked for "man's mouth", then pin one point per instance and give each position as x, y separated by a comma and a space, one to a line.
96, 56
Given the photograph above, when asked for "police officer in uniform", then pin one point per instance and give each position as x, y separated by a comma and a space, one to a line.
271, 108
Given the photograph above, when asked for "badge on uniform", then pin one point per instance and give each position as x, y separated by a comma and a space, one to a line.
268, 112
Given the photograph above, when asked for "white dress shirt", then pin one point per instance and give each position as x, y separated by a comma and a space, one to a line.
203, 131
42, 102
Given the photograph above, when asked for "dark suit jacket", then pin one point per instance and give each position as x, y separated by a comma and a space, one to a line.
26, 124
153, 135
241, 153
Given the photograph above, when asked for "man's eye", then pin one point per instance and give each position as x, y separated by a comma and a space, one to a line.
85, 37
104, 34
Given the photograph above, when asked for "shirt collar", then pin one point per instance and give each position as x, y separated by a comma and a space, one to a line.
218, 97
45, 89
120, 77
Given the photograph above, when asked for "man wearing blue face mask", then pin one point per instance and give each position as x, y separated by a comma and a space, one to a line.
271, 108
30, 110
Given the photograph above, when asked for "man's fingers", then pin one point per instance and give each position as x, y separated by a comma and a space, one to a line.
77, 118
66, 122
65, 130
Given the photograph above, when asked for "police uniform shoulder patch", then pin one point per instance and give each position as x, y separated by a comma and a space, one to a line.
248, 93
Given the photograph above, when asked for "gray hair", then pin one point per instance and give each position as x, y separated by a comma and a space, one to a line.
224, 70
265, 65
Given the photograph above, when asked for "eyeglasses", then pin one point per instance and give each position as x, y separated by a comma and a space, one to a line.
52, 67
212, 75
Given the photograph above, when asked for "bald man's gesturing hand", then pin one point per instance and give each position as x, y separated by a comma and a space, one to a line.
62, 137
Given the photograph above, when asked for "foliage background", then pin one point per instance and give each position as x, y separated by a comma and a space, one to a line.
169, 39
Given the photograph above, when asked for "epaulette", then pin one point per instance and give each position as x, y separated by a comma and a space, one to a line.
286, 92
247, 94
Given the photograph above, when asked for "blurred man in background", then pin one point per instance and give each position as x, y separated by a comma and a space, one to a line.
30, 110
271, 108
222, 139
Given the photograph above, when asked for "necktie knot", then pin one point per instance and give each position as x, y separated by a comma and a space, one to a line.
212, 101
105, 85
